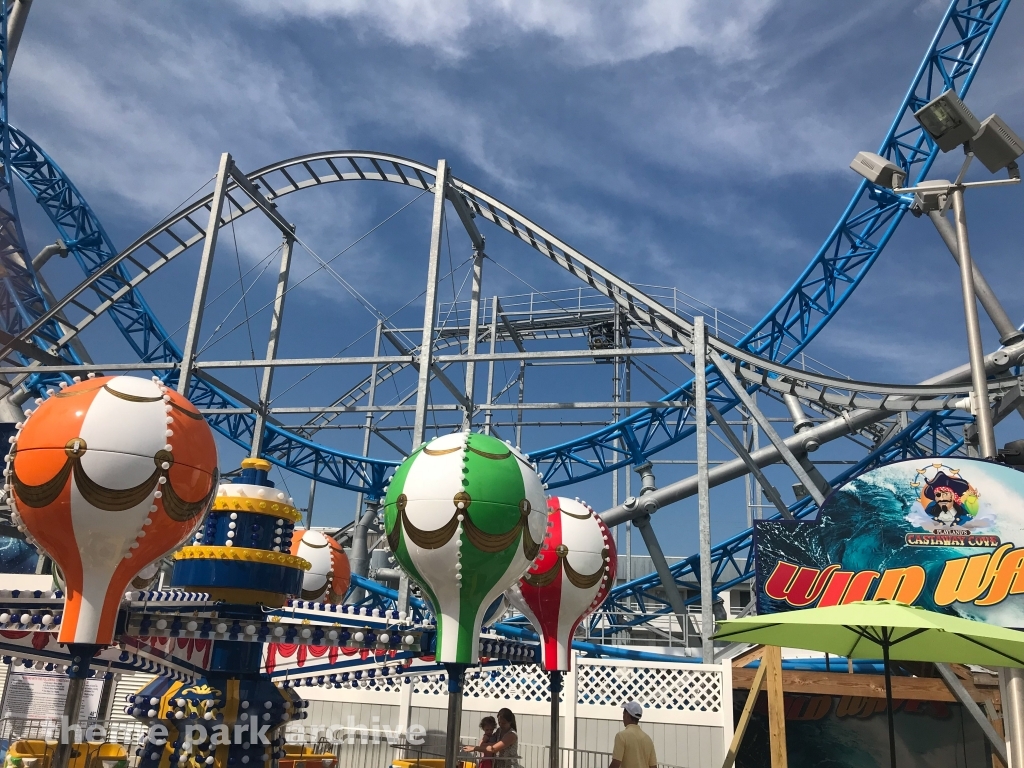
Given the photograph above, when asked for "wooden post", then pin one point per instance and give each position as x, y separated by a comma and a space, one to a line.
776, 708
748, 708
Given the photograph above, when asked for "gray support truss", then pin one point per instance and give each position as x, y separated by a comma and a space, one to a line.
672, 594
970, 706
815, 474
725, 371
426, 357
371, 397
741, 450
45, 254
195, 322
489, 414
466, 216
517, 339
473, 335
275, 334
436, 371
700, 387
828, 431
269, 208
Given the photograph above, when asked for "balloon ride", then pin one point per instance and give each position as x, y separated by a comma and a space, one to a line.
569, 579
107, 476
464, 516
329, 574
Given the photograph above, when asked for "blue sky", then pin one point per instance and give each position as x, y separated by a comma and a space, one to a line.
696, 145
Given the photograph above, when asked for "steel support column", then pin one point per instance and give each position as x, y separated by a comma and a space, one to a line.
16, 18
823, 433
426, 358
700, 388
1011, 680
360, 556
982, 412
195, 323
267, 382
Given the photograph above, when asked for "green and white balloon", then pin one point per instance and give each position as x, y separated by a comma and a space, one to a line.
465, 516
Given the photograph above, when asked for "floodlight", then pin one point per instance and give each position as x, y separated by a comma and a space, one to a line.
878, 170
932, 195
948, 121
995, 144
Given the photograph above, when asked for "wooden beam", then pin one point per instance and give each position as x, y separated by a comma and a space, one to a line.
871, 686
754, 654
776, 707
748, 708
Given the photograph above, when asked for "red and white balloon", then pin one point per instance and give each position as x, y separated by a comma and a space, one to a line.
569, 580
329, 575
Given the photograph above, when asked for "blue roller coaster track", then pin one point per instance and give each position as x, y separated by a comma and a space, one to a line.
840, 265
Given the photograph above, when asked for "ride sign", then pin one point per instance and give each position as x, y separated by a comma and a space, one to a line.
946, 534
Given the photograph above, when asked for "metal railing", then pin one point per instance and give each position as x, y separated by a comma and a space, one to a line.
662, 631
536, 306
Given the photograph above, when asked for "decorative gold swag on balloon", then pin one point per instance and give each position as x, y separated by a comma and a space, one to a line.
562, 565
110, 499
485, 542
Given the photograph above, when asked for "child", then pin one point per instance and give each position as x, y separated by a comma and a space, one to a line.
489, 726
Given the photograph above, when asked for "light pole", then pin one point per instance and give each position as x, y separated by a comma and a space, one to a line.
950, 124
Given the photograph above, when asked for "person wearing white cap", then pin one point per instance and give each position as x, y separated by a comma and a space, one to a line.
633, 748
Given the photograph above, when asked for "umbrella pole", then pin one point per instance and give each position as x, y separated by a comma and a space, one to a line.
888, 704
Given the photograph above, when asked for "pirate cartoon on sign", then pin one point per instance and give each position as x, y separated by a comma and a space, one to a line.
951, 500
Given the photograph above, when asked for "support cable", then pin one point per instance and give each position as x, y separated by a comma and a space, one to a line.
325, 265
213, 340
362, 336
245, 304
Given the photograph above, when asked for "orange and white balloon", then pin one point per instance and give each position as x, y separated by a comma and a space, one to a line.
569, 580
107, 476
328, 578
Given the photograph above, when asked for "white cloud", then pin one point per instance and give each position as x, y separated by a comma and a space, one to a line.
149, 110
589, 32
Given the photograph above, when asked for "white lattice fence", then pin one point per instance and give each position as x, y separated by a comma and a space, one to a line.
692, 696
679, 687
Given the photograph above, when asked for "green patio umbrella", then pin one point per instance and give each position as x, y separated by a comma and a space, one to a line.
867, 630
